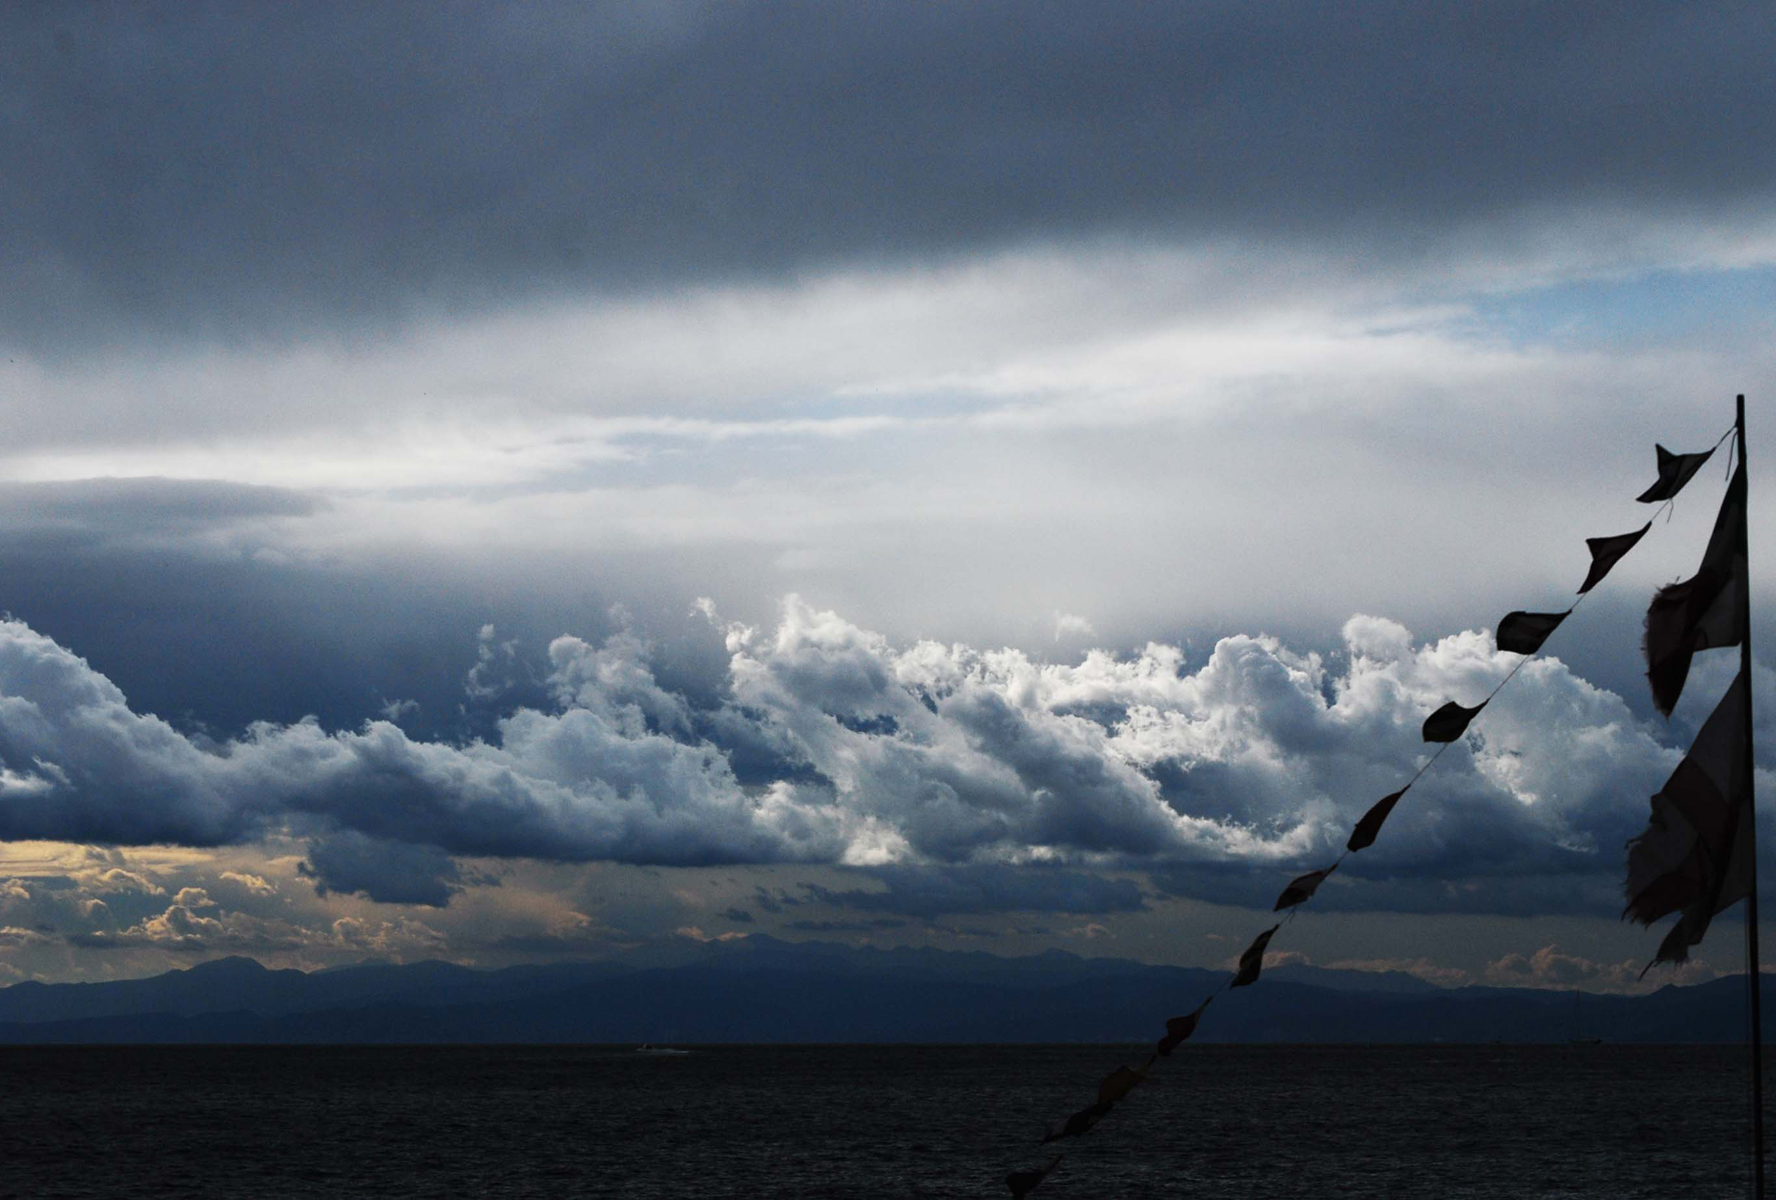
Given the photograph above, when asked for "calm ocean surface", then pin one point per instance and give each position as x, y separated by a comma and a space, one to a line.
1219, 1121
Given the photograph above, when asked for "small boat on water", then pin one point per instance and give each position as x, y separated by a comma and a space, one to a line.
650, 1048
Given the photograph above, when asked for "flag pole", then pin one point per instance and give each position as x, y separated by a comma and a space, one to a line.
1752, 964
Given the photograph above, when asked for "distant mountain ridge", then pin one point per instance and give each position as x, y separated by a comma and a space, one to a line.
766, 990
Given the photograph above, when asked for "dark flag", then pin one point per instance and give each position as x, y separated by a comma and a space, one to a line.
1675, 470
1606, 552
1080, 1122
1022, 1183
1120, 1083
1450, 722
1363, 835
1524, 632
1703, 612
1301, 887
1693, 857
1178, 1029
1252, 961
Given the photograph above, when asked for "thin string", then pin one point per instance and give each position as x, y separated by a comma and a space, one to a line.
1295, 909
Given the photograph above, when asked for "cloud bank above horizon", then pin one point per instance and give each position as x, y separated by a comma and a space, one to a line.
828, 745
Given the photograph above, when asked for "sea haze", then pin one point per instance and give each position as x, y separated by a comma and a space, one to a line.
1223, 1122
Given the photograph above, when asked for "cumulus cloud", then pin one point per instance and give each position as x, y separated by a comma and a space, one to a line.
252, 883
1071, 625
396, 940
181, 929
951, 779
1422, 968
1550, 967
568, 785
696, 934
117, 879
13, 936
495, 665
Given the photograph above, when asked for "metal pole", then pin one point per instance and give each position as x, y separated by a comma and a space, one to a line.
1752, 964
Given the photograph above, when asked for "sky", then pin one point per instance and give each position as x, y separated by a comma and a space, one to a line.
515, 483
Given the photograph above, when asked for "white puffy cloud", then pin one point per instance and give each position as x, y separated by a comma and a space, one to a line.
398, 940
182, 929
917, 761
575, 784
254, 884
1550, 967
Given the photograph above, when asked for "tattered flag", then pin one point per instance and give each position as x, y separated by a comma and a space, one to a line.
1694, 856
1704, 611
1606, 552
1675, 470
1252, 961
1450, 721
1179, 1029
1524, 632
1363, 835
1301, 887
1022, 1183
1080, 1122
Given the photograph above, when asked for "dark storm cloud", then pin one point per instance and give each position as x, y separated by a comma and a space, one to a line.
387, 871
926, 892
219, 641
214, 168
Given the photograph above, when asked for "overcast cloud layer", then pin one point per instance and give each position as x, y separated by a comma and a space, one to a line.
176, 167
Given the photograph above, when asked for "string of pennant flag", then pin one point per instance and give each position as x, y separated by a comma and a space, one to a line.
1691, 858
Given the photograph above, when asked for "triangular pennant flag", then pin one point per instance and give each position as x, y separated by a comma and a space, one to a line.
1079, 1123
1178, 1029
1119, 1083
1702, 612
1252, 961
1675, 470
1693, 856
1450, 722
1363, 835
1606, 552
1301, 887
1022, 1183
1524, 632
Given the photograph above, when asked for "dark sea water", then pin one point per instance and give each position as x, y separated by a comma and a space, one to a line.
900, 1121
